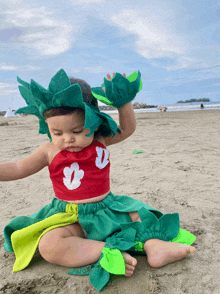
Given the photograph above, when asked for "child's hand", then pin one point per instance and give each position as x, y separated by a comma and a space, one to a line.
119, 90
109, 78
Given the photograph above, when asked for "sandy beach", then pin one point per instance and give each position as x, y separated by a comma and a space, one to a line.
178, 171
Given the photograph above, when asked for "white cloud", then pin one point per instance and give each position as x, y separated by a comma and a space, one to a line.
13, 1
24, 67
198, 60
162, 32
8, 67
31, 68
75, 70
81, 2
153, 38
93, 69
96, 69
24, 17
8, 92
190, 61
199, 76
4, 85
8, 89
41, 32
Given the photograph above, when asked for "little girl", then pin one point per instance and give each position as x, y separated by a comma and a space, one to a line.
86, 224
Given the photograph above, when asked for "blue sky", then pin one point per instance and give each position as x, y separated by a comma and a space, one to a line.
173, 43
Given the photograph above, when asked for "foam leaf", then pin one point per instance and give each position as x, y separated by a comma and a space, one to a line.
40, 93
71, 96
25, 84
113, 261
120, 90
60, 81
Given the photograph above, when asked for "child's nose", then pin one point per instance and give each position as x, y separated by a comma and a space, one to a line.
69, 138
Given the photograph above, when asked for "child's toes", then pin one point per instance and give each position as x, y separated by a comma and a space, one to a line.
129, 259
192, 249
129, 267
128, 273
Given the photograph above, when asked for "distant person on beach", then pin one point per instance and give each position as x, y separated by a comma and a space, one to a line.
163, 109
86, 223
201, 106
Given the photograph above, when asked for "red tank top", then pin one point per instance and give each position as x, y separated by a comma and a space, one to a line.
81, 175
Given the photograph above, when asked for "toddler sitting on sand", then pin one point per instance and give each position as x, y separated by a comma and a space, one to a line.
86, 224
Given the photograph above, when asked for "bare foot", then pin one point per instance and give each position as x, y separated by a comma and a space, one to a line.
160, 253
130, 263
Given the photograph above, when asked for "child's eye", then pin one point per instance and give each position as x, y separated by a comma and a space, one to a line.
59, 134
77, 132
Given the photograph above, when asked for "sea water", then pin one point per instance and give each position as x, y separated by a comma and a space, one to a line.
177, 107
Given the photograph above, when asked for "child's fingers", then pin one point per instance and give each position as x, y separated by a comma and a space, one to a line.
124, 74
109, 77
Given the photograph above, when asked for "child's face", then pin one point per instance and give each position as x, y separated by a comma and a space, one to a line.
67, 130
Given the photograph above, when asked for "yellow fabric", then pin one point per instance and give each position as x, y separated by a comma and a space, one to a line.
25, 241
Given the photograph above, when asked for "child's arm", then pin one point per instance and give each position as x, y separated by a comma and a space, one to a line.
28, 166
127, 125
127, 122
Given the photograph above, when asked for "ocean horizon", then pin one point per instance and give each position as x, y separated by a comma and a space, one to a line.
177, 107
174, 107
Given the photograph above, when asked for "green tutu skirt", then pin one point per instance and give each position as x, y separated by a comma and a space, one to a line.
103, 221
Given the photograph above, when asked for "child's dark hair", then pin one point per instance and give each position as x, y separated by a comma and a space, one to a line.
87, 97
86, 91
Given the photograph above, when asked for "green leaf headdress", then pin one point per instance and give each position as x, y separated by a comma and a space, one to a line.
61, 93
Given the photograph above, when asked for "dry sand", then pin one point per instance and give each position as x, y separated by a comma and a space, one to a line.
178, 171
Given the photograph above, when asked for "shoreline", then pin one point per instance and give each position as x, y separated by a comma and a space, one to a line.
169, 107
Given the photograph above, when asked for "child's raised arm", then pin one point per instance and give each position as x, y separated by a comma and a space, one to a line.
127, 124
28, 166
127, 121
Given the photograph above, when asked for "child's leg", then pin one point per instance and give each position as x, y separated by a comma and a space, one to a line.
134, 216
66, 246
160, 253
